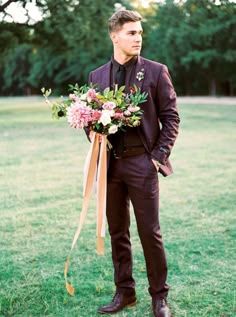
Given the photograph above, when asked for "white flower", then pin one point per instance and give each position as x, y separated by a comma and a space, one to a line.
140, 75
136, 123
113, 129
127, 113
105, 118
80, 102
83, 97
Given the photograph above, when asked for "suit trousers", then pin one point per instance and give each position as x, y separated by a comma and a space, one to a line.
135, 179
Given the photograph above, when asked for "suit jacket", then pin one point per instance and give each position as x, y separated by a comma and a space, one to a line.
160, 120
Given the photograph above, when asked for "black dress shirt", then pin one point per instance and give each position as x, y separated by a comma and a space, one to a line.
130, 137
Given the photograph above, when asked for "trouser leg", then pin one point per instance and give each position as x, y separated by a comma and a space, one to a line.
136, 178
118, 217
143, 189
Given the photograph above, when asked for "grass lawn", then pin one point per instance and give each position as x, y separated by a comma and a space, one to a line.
41, 172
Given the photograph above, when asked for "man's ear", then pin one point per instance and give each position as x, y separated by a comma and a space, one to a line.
113, 37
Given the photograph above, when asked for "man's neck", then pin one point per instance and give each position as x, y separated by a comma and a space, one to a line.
122, 59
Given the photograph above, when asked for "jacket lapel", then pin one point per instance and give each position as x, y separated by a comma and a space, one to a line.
139, 73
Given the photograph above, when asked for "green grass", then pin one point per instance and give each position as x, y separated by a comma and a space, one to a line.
41, 168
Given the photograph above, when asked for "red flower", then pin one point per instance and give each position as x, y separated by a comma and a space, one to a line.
132, 90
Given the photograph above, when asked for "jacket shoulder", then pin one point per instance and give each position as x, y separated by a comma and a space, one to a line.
151, 63
101, 68
155, 69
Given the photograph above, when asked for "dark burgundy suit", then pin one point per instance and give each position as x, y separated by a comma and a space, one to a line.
134, 178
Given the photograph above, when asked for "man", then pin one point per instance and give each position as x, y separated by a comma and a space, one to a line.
136, 157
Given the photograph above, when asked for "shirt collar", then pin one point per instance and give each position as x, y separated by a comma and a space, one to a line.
127, 65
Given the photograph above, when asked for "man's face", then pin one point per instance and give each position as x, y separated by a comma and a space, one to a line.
128, 40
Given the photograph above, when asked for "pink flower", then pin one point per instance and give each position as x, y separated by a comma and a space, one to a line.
91, 94
118, 116
73, 97
96, 115
79, 115
109, 105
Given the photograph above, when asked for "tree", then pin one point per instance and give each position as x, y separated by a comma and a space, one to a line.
74, 38
68, 42
13, 43
209, 27
192, 37
164, 42
195, 38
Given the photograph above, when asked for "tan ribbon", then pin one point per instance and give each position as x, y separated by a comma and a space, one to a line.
96, 165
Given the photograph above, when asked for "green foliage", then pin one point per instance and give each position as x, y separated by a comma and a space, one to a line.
192, 38
11, 35
14, 58
196, 39
75, 43
59, 106
138, 98
16, 70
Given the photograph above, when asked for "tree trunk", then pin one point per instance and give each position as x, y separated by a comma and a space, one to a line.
212, 88
231, 89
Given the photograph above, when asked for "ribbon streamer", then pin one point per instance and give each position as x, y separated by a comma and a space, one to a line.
95, 165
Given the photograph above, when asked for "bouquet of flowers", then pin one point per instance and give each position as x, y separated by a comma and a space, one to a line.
104, 112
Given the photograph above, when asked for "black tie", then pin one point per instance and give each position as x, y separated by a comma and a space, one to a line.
120, 76
117, 139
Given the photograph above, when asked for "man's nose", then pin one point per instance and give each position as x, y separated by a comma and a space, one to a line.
138, 38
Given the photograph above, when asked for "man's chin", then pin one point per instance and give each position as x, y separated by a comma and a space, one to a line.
138, 51
135, 53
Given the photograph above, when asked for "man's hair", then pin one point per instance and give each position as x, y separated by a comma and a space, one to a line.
120, 17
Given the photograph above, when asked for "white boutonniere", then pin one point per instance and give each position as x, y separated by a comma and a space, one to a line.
140, 75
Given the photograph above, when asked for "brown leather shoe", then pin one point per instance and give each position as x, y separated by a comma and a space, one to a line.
119, 302
160, 308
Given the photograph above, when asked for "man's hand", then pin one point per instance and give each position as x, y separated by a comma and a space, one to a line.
91, 133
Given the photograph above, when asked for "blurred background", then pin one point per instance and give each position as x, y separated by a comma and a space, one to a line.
48, 43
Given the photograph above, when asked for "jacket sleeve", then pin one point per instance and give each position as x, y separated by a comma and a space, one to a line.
168, 117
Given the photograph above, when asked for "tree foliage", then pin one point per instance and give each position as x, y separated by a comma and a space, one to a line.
195, 38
